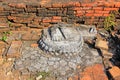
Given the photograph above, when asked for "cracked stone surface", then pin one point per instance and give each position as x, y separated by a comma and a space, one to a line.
36, 60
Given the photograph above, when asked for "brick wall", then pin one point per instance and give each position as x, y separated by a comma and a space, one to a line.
21, 16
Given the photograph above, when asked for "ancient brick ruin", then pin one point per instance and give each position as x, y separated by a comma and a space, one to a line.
23, 15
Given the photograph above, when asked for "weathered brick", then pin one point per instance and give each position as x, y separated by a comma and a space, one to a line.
87, 4
57, 5
88, 14
115, 71
109, 4
33, 25
80, 14
98, 8
20, 5
31, 10
106, 15
77, 8
33, 5
69, 4
102, 12
46, 20
86, 8
56, 17
80, 11
4, 25
12, 4
117, 4
55, 20
111, 9
101, 44
98, 14
90, 11
15, 49
3, 19
20, 15
4, 13
77, 4
27, 36
11, 18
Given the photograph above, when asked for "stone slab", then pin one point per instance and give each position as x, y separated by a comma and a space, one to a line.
14, 50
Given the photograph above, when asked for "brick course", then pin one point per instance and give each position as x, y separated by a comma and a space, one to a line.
73, 11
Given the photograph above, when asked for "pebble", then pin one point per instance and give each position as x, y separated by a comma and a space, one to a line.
39, 77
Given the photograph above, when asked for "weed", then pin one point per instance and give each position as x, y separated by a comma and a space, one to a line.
5, 36
109, 22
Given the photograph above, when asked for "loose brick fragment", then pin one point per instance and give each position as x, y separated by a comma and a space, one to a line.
101, 44
15, 49
115, 72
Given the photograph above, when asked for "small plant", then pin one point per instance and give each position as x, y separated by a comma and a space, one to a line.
43, 74
5, 36
109, 22
10, 23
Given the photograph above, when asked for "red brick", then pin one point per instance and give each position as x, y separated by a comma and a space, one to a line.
46, 20
115, 71
69, 4
109, 4
106, 15
55, 20
102, 12
56, 17
87, 4
98, 8
117, 4
111, 9
100, 3
80, 12
95, 72
11, 18
97, 15
14, 50
4, 25
77, 8
88, 14
86, 8
86, 77
90, 11
77, 4
20, 5
57, 5
27, 36
12, 4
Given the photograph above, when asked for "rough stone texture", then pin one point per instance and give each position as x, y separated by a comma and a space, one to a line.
35, 60
64, 38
